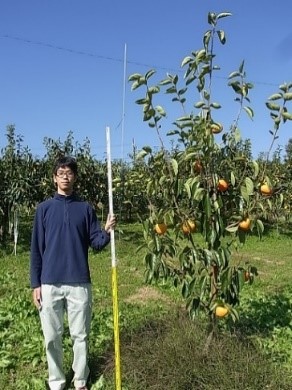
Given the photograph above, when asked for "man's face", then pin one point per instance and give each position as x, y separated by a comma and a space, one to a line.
65, 180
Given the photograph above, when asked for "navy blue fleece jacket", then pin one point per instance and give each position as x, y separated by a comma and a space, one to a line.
64, 229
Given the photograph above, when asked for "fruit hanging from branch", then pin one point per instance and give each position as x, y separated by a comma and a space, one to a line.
160, 228
188, 226
221, 311
244, 225
266, 190
222, 185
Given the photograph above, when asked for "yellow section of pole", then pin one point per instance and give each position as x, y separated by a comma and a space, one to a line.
116, 327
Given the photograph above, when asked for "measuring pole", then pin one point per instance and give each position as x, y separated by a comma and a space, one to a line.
114, 267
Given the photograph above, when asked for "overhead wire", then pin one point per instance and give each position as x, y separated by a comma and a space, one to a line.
108, 58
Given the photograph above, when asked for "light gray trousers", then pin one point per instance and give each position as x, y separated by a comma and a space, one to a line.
76, 300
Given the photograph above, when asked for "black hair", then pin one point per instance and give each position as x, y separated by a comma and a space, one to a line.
67, 161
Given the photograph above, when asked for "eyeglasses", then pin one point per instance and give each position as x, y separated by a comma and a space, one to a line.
62, 174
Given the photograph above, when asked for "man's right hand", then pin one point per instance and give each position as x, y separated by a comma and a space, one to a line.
110, 223
37, 297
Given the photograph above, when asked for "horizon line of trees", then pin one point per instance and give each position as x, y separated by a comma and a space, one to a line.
26, 180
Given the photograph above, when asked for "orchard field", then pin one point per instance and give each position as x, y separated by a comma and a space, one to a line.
203, 242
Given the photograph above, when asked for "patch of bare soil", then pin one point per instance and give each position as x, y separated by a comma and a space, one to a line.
146, 294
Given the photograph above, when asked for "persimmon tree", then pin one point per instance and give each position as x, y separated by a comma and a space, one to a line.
17, 191
287, 174
210, 179
129, 200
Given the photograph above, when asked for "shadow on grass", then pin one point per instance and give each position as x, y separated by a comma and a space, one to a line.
168, 353
132, 235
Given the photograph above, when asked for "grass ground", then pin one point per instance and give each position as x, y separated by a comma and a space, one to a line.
160, 347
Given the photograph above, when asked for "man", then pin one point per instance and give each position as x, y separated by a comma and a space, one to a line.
64, 229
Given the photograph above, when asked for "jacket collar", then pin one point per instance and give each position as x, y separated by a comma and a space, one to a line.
65, 197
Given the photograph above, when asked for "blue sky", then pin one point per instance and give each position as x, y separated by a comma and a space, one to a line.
62, 65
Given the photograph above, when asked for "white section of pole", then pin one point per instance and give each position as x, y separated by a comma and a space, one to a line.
124, 96
110, 192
